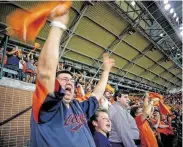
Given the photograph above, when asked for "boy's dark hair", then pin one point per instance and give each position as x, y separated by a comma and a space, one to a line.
95, 116
133, 111
118, 93
63, 71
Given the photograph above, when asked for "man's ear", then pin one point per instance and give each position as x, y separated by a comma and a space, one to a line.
94, 123
117, 98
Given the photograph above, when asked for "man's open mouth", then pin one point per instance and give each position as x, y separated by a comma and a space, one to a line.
68, 89
108, 125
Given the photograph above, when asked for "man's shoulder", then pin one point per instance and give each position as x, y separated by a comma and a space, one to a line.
113, 107
112, 110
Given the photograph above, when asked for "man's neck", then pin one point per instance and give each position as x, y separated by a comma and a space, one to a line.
124, 107
67, 104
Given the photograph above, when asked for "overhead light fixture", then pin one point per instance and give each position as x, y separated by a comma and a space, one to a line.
178, 54
167, 6
173, 47
133, 3
177, 19
161, 35
171, 10
165, 1
181, 28
174, 15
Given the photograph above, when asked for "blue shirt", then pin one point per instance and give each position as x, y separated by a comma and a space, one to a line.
13, 60
101, 140
59, 126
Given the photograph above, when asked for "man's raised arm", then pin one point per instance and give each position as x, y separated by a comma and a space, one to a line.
49, 55
108, 63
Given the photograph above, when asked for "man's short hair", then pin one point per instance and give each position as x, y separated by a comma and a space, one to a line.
118, 93
95, 116
63, 71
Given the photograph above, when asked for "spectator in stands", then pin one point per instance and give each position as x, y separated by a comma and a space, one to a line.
166, 131
147, 136
14, 57
57, 119
31, 69
154, 122
89, 86
13, 61
124, 131
80, 94
107, 98
102, 125
61, 66
22, 66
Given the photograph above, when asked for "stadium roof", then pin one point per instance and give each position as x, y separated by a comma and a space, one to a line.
130, 34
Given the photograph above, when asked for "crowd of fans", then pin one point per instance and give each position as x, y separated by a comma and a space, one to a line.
167, 128
24, 64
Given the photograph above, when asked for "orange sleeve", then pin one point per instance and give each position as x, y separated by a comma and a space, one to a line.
39, 97
79, 97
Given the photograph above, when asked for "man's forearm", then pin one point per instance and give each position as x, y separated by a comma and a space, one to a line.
50, 51
49, 57
12, 52
147, 111
157, 124
163, 126
146, 101
100, 87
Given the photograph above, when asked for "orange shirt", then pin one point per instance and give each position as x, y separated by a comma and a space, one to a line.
79, 96
147, 136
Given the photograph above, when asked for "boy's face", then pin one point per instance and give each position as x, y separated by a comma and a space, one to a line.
103, 123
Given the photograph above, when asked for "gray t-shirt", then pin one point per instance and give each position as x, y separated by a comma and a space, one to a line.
124, 128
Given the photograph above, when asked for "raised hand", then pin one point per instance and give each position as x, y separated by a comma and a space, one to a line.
155, 99
108, 62
64, 14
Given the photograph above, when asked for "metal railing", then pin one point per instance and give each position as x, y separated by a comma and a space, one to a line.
15, 116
